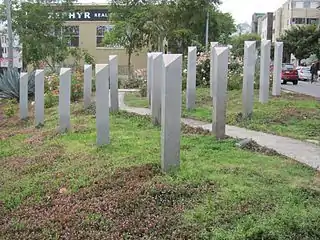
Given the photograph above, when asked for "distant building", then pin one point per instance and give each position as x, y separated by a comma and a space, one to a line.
254, 22
242, 28
295, 12
17, 48
265, 25
88, 24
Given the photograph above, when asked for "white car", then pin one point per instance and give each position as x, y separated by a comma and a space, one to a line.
304, 73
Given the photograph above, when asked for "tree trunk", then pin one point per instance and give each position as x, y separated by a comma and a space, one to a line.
129, 64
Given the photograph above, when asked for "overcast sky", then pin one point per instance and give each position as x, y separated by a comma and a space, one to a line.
241, 10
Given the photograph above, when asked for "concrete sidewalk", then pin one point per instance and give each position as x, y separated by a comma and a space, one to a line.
306, 153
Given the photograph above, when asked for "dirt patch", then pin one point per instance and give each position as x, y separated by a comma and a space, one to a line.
255, 147
295, 96
299, 114
186, 129
32, 163
129, 204
39, 136
204, 101
91, 110
7, 133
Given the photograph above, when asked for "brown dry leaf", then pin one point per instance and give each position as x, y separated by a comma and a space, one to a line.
63, 190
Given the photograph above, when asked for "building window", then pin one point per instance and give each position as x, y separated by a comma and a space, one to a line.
73, 33
298, 20
312, 20
306, 4
314, 4
297, 4
4, 50
3, 39
101, 30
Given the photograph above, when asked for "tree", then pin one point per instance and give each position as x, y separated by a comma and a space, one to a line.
237, 43
183, 23
41, 31
301, 41
224, 27
129, 17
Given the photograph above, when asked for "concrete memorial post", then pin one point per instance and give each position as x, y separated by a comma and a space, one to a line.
156, 88
23, 95
220, 76
149, 76
39, 97
87, 85
248, 78
64, 99
212, 45
191, 78
102, 104
277, 67
113, 68
171, 111
264, 71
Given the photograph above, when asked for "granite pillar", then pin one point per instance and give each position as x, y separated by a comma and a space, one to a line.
87, 85
102, 104
39, 97
191, 78
156, 88
220, 76
277, 68
264, 71
171, 111
64, 99
212, 45
114, 98
23, 95
248, 78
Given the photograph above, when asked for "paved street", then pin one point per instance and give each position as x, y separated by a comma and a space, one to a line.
304, 88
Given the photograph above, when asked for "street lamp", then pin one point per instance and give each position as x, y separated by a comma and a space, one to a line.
10, 36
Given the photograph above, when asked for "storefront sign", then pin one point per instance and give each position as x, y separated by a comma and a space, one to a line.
89, 15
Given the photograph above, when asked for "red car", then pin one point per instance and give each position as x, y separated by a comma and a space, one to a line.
289, 74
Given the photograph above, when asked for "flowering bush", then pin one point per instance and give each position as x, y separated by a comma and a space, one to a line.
141, 81
77, 85
203, 70
235, 73
52, 85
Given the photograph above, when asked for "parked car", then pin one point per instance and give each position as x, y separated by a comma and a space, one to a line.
304, 73
289, 74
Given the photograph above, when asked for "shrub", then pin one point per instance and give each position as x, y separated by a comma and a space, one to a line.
10, 84
143, 87
203, 71
50, 100
77, 85
10, 108
52, 85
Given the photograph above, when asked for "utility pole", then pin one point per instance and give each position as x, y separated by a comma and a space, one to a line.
207, 31
10, 36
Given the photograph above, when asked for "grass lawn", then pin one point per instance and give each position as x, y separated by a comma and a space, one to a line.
291, 115
61, 186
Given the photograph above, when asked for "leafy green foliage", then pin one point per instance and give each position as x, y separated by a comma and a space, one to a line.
301, 41
41, 31
79, 54
146, 25
10, 108
237, 43
10, 84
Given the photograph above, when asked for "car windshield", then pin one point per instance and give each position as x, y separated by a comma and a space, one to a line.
287, 67
305, 69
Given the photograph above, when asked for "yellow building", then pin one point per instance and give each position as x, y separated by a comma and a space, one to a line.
88, 23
